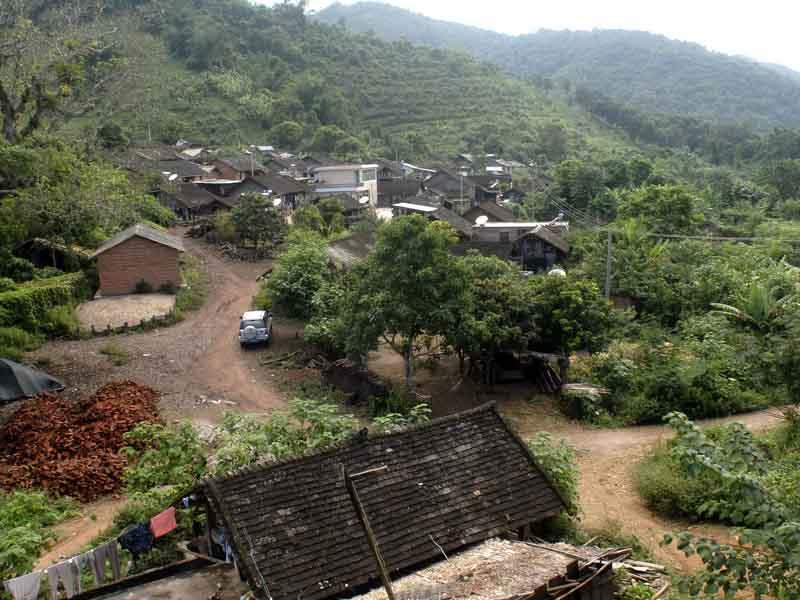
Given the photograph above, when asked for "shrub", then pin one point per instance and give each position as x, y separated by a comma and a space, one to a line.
224, 228
557, 460
299, 273
61, 321
168, 288
6, 284
161, 455
25, 520
115, 353
14, 342
143, 287
194, 290
26, 305
309, 425
667, 489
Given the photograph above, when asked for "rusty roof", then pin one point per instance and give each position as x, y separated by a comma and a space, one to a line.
453, 482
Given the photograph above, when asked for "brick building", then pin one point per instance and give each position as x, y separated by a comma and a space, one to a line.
140, 253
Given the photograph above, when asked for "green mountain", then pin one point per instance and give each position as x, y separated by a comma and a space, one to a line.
226, 71
649, 72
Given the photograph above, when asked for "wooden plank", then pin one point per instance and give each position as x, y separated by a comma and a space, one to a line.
373, 542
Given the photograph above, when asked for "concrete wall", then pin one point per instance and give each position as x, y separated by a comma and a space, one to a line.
136, 259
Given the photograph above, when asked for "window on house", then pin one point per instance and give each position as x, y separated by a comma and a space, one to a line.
369, 175
504, 236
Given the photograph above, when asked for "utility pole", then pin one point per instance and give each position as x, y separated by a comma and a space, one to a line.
383, 572
608, 263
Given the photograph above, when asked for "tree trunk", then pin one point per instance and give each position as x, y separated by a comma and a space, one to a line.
408, 358
461, 358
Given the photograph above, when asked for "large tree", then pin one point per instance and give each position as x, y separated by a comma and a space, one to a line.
53, 58
257, 220
410, 287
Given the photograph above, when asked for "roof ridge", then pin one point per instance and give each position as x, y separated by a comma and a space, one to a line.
330, 450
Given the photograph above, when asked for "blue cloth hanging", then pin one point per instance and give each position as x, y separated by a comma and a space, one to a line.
137, 541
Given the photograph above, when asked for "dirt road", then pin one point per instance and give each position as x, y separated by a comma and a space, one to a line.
197, 364
607, 458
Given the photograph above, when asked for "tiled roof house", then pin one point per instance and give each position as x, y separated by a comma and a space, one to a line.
445, 485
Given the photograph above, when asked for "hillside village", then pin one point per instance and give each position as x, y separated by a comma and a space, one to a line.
289, 311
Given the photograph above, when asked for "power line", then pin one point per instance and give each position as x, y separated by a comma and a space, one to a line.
711, 238
585, 221
566, 206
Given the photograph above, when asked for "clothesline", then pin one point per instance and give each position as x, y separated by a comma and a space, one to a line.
137, 539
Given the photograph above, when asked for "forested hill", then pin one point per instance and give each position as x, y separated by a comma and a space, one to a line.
227, 71
650, 72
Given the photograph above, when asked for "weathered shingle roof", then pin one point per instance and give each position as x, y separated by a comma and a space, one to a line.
493, 209
142, 231
194, 196
280, 185
551, 238
453, 482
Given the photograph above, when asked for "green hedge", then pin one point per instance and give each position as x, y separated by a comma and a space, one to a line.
26, 306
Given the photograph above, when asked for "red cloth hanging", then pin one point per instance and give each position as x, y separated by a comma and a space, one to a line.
163, 523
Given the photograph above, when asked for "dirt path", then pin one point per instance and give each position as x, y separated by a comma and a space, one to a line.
197, 364
607, 460
74, 535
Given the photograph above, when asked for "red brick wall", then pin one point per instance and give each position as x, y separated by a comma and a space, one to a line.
122, 267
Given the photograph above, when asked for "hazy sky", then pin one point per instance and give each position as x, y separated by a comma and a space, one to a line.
766, 30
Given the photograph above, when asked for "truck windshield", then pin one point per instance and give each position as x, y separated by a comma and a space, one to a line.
257, 324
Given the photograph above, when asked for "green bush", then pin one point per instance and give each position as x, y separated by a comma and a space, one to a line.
192, 294
6, 284
61, 321
310, 424
26, 305
299, 273
557, 460
115, 353
161, 455
14, 342
667, 489
25, 520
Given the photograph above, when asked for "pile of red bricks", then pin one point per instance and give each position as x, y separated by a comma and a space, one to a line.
73, 448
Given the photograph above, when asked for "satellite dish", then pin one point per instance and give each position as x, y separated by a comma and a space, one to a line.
482, 220
364, 200
173, 177
276, 203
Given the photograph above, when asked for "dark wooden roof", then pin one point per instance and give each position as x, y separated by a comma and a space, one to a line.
555, 240
453, 482
503, 250
493, 210
193, 196
280, 185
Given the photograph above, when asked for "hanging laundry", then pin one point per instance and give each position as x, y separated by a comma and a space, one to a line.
106, 552
163, 523
220, 538
189, 501
67, 573
25, 587
137, 541
81, 561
